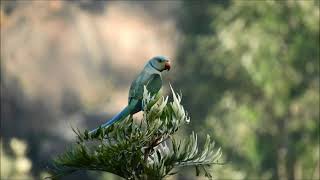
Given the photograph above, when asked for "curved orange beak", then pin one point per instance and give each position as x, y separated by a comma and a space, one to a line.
167, 65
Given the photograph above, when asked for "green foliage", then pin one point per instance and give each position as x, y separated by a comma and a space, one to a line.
253, 71
145, 150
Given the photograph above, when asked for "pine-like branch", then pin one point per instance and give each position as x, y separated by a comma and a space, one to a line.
145, 150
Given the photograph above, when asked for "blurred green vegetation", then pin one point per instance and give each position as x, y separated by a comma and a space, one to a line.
249, 73
14, 163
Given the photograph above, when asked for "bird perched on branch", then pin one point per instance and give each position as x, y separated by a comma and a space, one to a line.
150, 77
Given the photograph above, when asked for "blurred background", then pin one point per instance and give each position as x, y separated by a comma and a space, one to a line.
248, 72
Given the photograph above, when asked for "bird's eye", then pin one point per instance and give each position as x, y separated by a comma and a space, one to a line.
159, 60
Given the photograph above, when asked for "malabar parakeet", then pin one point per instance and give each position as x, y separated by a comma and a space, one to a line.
149, 77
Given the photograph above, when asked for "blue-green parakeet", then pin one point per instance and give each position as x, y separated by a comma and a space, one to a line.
150, 77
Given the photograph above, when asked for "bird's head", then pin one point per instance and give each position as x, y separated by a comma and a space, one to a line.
160, 63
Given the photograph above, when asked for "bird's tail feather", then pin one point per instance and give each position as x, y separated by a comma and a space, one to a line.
118, 117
